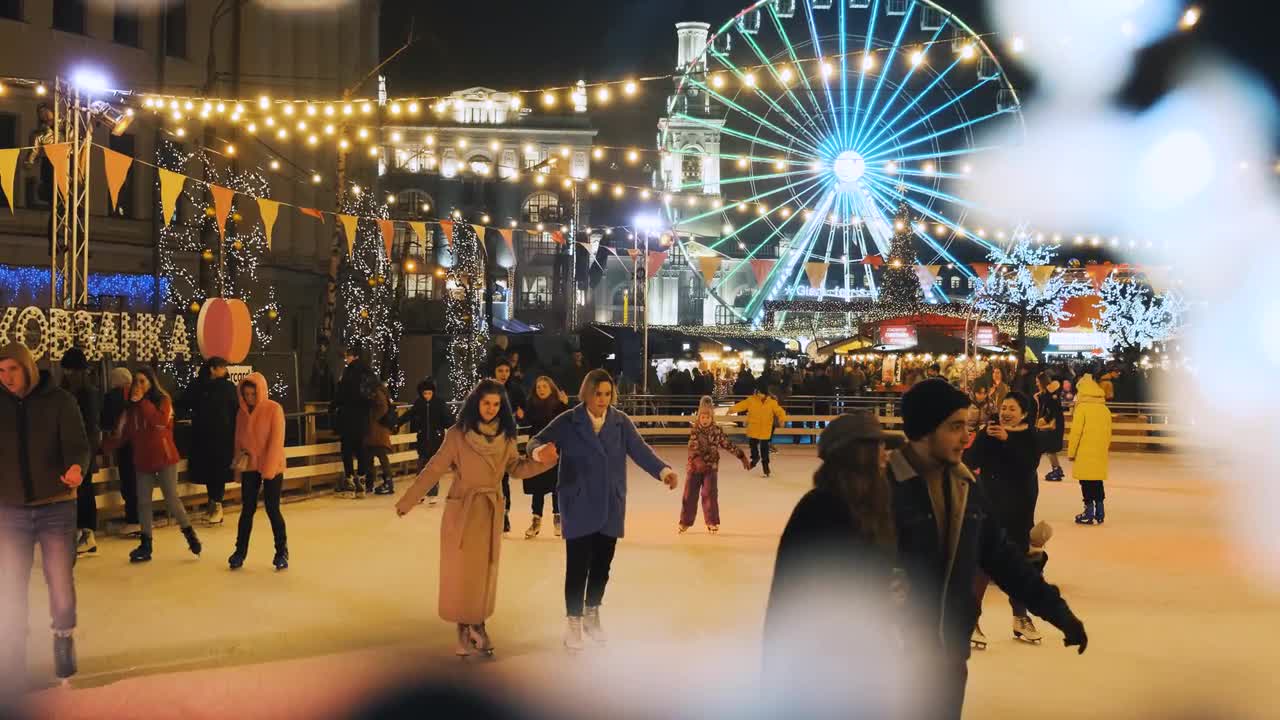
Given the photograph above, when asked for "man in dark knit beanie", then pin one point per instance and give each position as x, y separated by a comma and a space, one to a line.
946, 535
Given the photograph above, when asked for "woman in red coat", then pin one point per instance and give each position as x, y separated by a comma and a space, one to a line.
147, 426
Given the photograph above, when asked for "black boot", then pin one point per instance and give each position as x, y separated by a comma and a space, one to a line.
193, 542
142, 553
281, 560
64, 655
386, 488
236, 561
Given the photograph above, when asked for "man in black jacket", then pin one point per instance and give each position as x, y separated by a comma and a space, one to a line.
515, 393
946, 534
211, 404
43, 451
350, 408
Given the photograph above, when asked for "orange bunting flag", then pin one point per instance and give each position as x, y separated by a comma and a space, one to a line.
222, 199
1098, 273
117, 166
558, 237
875, 261
508, 237
1041, 274
349, 225
419, 229
656, 259
447, 227
817, 273
388, 228
58, 154
480, 235
633, 252
761, 269
170, 188
981, 270
8, 168
709, 265
312, 212
268, 210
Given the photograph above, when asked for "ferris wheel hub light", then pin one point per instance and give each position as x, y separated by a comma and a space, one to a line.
849, 167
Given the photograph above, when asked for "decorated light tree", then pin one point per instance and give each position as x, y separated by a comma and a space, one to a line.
464, 310
1136, 317
1023, 283
229, 262
367, 292
899, 283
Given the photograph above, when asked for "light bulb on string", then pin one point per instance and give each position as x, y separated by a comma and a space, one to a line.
275, 164
602, 95
548, 99
630, 88
288, 109
311, 110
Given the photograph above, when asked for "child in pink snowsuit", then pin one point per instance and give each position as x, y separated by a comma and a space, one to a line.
705, 442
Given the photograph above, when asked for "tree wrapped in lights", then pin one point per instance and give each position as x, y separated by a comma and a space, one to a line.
464, 310
1012, 288
1136, 317
242, 250
899, 283
367, 291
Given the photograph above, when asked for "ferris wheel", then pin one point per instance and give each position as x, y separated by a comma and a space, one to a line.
830, 116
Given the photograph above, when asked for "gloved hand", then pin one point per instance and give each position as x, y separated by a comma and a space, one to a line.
1073, 634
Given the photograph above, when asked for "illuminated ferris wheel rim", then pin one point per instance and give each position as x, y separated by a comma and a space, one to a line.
844, 175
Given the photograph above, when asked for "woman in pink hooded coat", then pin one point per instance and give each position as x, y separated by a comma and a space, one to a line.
259, 466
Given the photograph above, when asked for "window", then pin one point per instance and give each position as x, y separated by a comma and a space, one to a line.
175, 30
11, 9
419, 285
542, 207
955, 282
972, 283
68, 16
725, 316
537, 245
125, 24
691, 165
124, 145
535, 292
414, 204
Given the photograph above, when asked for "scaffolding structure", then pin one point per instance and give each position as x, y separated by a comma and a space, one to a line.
69, 229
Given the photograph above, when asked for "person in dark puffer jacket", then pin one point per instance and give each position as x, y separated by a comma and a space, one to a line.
43, 454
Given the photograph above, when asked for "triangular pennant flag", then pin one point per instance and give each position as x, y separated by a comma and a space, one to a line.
268, 210
447, 227
633, 252
558, 237
934, 270
312, 212
117, 166
349, 224
388, 228
222, 199
480, 236
58, 154
1098, 273
875, 261
508, 237
611, 249
1041, 274
656, 259
761, 269
981, 270
708, 266
817, 273
419, 229
170, 189
8, 168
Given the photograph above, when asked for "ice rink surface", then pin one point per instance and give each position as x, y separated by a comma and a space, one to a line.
1177, 629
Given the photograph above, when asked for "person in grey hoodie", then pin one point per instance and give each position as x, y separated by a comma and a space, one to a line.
43, 455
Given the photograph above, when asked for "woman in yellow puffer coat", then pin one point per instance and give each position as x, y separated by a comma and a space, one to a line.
1089, 447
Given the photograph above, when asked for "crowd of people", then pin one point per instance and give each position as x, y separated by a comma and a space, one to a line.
922, 521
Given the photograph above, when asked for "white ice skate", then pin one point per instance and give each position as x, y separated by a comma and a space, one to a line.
978, 640
591, 625
573, 635
480, 639
1025, 630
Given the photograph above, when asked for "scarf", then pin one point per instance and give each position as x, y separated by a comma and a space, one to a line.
487, 439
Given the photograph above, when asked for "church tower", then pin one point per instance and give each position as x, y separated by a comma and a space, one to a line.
691, 147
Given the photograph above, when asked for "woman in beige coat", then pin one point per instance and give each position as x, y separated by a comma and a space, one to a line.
478, 450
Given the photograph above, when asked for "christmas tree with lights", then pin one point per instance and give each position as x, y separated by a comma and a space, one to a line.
465, 319
367, 292
899, 283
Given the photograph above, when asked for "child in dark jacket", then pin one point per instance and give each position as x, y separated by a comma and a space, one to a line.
429, 417
706, 440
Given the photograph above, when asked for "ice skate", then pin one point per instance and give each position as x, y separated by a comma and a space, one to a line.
682, 529
573, 634
480, 639
506, 524
767, 473
64, 656
466, 648
433, 501
1098, 513
978, 641
193, 542
386, 488
346, 487
713, 529
142, 553
86, 544
1055, 475
281, 560
535, 527
555, 520
592, 627
1025, 630
236, 561
1087, 517
360, 488
215, 514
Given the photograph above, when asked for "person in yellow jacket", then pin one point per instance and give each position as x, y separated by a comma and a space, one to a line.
763, 414
1089, 446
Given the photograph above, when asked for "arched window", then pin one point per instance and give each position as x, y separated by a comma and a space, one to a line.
542, 207
480, 165
415, 204
691, 164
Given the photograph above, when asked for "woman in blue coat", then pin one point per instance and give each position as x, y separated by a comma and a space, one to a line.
594, 440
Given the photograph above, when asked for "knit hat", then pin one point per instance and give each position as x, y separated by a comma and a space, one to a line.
852, 428
120, 376
74, 359
928, 404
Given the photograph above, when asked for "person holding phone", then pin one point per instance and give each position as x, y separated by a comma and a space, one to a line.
259, 467
1007, 455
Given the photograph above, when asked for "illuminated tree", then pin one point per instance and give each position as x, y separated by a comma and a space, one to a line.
367, 292
1136, 317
